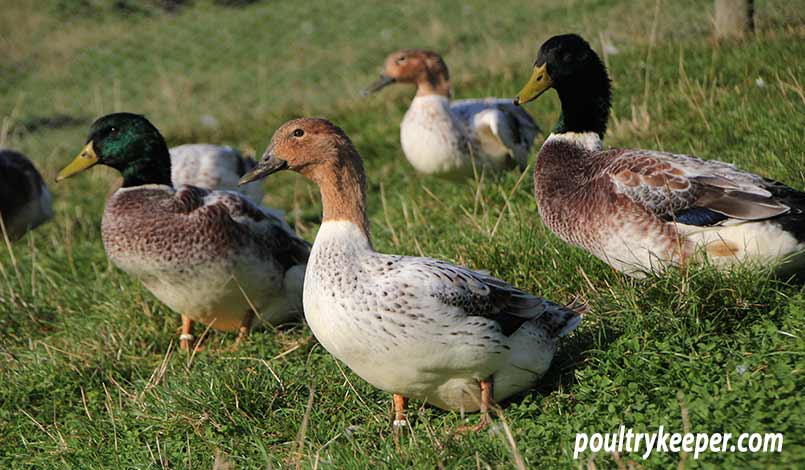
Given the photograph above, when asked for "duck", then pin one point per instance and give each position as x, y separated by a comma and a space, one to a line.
213, 256
642, 211
213, 167
454, 139
414, 327
25, 202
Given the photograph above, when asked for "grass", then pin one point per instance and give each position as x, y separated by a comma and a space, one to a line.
89, 373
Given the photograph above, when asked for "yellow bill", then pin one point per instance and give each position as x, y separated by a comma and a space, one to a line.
84, 160
537, 84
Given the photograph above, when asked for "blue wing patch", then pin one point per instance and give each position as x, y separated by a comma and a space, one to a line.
699, 216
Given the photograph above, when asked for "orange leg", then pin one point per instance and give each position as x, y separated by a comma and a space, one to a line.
245, 328
400, 404
186, 336
486, 400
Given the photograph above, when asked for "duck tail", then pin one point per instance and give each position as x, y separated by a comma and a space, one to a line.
561, 320
792, 221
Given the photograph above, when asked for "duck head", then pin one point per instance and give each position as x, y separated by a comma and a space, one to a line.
569, 65
128, 143
562, 61
425, 69
311, 147
321, 152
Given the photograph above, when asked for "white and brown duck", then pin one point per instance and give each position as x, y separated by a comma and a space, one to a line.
642, 210
215, 257
414, 327
450, 138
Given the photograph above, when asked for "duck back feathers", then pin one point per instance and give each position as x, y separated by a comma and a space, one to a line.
478, 294
212, 167
665, 184
191, 223
668, 183
511, 127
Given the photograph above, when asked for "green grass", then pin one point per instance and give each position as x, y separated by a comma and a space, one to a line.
89, 376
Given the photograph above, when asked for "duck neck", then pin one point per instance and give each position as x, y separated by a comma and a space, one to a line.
343, 194
585, 102
152, 167
431, 89
435, 80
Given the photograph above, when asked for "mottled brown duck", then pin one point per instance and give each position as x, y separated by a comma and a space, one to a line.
643, 210
215, 257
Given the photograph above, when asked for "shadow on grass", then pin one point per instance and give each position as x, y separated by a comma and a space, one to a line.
570, 357
54, 121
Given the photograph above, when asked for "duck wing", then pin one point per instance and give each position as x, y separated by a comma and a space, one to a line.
236, 220
690, 190
265, 225
511, 126
461, 291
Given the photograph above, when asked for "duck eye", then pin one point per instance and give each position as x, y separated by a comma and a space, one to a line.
298, 133
401, 59
113, 130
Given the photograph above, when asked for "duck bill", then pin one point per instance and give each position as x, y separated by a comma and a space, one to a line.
86, 159
378, 85
537, 84
267, 165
